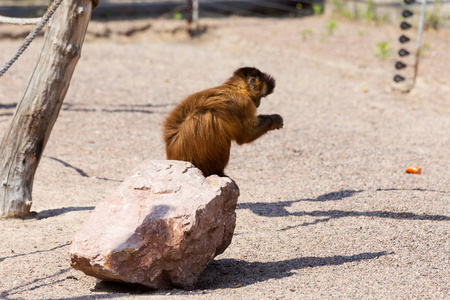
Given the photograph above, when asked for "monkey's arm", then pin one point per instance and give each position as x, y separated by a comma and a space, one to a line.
265, 123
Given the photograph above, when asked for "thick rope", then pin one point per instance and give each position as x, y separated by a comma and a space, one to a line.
48, 14
19, 21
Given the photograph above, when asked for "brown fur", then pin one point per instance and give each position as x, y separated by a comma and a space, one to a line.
200, 129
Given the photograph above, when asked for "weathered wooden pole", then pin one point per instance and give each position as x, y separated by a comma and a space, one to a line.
25, 139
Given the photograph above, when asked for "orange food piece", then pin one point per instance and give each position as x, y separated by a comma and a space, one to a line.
414, 170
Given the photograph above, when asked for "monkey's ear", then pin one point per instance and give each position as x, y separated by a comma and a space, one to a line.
252, 84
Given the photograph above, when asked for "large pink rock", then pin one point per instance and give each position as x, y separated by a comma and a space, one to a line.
161, 227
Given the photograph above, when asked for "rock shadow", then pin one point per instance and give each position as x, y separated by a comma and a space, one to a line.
230, 273
121, 288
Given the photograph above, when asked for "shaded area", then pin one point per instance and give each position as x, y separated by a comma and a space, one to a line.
60, 211
80, 171
121, 108
107, 179
128, 110
102, 296
8, 106
120, 287
416, 189
337, 214
229, 273
279, 209
35, 284
65, 164
335, 196
34, 252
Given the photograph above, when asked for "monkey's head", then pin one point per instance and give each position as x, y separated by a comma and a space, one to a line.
257, 83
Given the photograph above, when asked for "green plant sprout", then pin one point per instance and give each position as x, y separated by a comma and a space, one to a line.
177, 16
370, 10
433, 19
331, 26
383, 50
306, 32
317, 8
425, 47
341, 10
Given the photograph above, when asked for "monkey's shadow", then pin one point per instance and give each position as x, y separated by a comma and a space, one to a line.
279, 209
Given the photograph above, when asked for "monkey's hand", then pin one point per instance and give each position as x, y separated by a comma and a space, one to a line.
275, 121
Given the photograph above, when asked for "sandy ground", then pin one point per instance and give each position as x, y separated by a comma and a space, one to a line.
326, 209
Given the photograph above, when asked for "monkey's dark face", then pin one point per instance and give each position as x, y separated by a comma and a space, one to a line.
259, 84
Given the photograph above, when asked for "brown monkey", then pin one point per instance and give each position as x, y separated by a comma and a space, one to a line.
200, 129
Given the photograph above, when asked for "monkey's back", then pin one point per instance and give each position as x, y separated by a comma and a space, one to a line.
200, 129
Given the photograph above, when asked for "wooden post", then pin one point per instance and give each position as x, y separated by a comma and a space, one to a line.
25, 139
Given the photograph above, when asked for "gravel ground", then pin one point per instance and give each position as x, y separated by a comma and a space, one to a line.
326, 209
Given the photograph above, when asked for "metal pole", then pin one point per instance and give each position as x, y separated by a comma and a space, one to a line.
419, 39
195, 13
